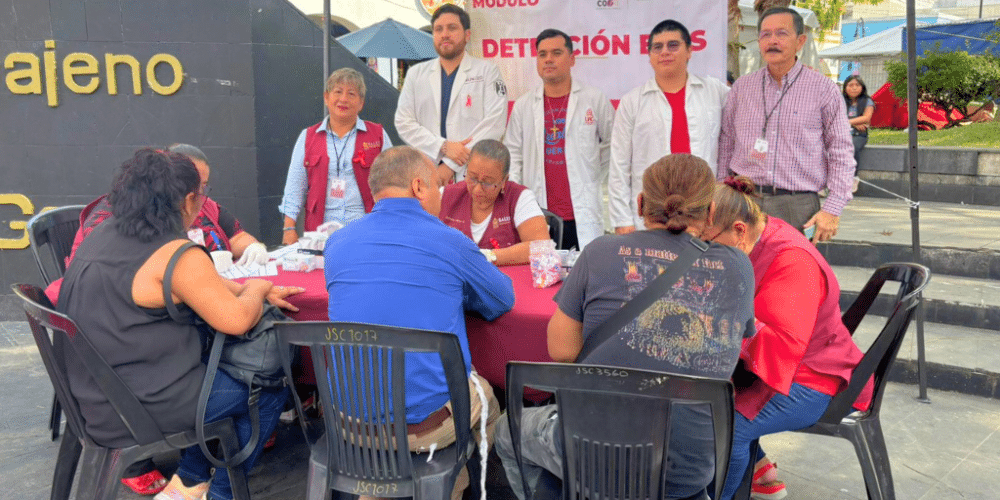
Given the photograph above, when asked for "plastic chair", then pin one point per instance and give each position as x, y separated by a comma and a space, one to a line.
51, 237
103, 467
555, 227
615, 424
864, 429
364, 385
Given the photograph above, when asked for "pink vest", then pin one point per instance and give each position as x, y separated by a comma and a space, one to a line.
831, 350
367, 145
456, 211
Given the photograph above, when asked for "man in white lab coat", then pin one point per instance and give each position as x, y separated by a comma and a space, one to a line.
673, 112
559, 137
452, 102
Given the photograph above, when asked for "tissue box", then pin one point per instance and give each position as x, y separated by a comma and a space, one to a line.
299, 262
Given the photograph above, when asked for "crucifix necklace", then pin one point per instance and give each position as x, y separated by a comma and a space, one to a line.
552, 114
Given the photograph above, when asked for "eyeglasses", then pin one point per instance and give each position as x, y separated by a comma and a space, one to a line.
671, 46
472, 182
779, 34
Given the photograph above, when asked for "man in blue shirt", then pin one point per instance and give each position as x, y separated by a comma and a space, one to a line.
401, 266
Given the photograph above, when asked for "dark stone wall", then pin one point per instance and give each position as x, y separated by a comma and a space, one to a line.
252, 79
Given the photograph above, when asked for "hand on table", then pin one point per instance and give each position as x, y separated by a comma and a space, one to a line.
826, 226
278, 294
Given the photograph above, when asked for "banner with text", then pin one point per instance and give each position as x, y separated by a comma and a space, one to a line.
609, 38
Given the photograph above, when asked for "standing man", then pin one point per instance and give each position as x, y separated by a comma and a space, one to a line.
785, 127
559, 138
452, 101
673, 112
401, 266
333, 190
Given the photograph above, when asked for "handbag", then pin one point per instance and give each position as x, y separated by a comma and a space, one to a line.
254, 358
653, 292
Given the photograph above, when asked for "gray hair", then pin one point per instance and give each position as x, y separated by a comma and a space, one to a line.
800, 27
188, 150
397, 167
349, 76
493, 149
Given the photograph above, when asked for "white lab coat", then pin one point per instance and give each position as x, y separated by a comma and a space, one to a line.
589, 119
478, 107
642, 135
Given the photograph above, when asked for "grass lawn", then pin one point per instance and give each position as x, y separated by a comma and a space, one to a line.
975, 135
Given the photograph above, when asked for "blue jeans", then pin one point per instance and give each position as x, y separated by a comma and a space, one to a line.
229, 399
801, 408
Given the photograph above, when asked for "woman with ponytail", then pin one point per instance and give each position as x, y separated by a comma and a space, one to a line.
802, 355
694, 329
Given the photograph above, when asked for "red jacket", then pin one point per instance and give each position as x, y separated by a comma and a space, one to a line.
456, 211
794, 344
367, 145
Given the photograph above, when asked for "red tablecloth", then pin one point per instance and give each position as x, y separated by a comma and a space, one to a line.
518, 335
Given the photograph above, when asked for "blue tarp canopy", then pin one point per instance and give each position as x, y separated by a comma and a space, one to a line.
390, 39
972, 37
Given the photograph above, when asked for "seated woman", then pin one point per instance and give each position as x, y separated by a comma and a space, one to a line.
802, 355
114, 291
695, 329
500, 216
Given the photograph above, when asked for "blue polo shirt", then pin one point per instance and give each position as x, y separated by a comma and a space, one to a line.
401, 266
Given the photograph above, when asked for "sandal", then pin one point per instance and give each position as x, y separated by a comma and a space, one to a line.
765, 484
177, 491
149, 483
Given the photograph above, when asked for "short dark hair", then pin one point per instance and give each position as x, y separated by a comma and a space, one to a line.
552, 33
148, 193
188, 150
800, 26
669, 25
493, 150
450, 8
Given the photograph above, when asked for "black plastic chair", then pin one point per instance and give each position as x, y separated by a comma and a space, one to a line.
555, 227
615, 424
103, 467
51, 236
864, 429
362, 395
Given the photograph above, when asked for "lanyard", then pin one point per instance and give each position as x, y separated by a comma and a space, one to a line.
340, 153
763, 95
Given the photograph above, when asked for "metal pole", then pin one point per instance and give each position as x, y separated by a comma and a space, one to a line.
980, 9
326, 50
911, 97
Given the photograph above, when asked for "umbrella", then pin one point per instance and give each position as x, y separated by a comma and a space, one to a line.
389, 39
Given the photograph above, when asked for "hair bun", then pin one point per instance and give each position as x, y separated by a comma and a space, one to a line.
741, 184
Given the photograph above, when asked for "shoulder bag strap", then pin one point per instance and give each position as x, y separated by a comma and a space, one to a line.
210, 370
653, 292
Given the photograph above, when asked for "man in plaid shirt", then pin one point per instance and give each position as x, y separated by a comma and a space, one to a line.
785, 127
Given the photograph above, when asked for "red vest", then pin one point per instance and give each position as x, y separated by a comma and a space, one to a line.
367, 145
831, 350
456, 211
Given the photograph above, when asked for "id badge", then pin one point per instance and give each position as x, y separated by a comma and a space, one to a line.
197, 236
760, 145
337, 188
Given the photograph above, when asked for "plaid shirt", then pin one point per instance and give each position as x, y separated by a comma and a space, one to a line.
808, 137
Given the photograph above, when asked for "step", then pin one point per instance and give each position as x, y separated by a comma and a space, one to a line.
950, 300
959, 359
964, 262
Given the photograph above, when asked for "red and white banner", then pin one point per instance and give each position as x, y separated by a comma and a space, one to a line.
609, 38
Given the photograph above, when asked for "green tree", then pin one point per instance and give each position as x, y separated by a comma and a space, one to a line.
952, 80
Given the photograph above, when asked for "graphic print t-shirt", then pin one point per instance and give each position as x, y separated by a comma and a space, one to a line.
695, 329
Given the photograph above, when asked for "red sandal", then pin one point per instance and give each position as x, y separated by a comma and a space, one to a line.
149, 483
767, 488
